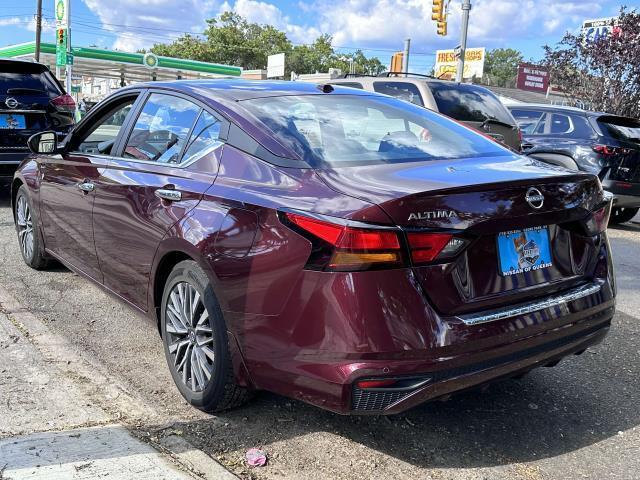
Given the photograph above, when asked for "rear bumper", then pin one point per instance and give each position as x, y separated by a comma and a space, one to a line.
9, 162
472, 355
625, 194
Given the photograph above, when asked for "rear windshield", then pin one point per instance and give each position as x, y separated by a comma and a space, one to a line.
620, 128
26, 80
469, 103
345, 130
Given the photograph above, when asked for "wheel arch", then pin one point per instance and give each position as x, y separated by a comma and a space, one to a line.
170, 252
15, 186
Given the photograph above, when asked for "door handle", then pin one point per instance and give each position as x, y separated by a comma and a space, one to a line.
169, 195
86, 187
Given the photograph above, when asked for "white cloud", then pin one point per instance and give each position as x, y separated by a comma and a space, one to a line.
368, 24
141, 23
269, 14
28, 23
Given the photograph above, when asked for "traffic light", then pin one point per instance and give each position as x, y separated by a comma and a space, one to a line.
439, 15
396, 62
437, 11
60, 36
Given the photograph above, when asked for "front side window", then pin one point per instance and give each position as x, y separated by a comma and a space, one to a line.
344, 130
162, 128
405, 91
102, 136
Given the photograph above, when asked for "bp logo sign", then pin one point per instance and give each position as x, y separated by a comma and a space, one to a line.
150, 60
61, 13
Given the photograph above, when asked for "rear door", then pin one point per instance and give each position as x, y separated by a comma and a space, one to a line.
164, 165
70, 182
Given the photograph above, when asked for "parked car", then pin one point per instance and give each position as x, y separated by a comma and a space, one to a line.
31, 100
472, 105
343, 248
600, 143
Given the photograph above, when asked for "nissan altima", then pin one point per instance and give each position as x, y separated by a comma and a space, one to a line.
336, 246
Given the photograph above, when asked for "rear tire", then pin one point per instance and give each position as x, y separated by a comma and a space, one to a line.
622, 214
29, 240
196, 344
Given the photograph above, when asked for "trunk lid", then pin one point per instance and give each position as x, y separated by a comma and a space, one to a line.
477, 200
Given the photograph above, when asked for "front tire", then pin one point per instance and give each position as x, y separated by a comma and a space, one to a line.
622, 214
29, 238
195, 340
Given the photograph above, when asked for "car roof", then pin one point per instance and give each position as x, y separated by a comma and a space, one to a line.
24, 65
236, 89
557, 108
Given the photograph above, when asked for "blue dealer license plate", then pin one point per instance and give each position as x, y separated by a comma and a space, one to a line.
524, 250
11, 121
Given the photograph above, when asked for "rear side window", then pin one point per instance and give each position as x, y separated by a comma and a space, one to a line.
204, 138
560, 124
27, 80
402, 90
469, 103
347, 130
162, 128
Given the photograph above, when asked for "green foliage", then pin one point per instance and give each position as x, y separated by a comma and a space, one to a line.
234, 41
604, 74
501, 66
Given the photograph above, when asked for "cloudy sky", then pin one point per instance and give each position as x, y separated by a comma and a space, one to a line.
376, 26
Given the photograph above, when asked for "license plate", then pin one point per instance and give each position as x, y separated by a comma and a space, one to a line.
12, 121
524, 250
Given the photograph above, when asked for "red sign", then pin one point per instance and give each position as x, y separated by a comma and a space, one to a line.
533, 78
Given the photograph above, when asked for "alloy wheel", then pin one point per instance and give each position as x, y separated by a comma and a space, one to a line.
189, 336
25, 227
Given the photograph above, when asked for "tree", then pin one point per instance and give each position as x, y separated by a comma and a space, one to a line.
233, 40
604, 73
501, 66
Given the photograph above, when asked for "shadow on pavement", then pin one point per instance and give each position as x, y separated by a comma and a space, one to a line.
553, 411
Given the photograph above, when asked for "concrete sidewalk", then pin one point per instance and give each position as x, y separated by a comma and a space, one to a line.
50, 429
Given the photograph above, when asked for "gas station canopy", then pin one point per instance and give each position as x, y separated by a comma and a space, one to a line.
127, 67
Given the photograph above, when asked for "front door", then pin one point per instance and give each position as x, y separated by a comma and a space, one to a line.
69, 186
173, 148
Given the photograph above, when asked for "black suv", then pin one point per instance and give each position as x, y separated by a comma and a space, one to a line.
31, 100
600, 143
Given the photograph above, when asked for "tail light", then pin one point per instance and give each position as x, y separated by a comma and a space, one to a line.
340, 247
427, 246
65, 103
607, 150
599, 219
344, 247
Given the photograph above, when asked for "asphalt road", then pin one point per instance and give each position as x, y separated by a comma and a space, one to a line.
577, 420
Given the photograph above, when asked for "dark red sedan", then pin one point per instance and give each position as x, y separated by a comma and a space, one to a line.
340, 247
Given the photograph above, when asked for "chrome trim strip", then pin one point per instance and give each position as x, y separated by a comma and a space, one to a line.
556, 300
22, 110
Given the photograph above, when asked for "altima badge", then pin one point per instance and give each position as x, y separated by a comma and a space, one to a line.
534, 198
433, 214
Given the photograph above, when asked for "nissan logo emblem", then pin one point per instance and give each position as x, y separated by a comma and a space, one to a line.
11, 102
534, 198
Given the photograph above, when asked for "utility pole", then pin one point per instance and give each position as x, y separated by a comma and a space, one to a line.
405, 57
69, 69
466, 7
38, 28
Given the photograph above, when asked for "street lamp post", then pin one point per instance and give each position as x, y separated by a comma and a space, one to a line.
466, 7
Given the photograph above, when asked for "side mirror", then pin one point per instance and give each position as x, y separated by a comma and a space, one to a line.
43, 142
